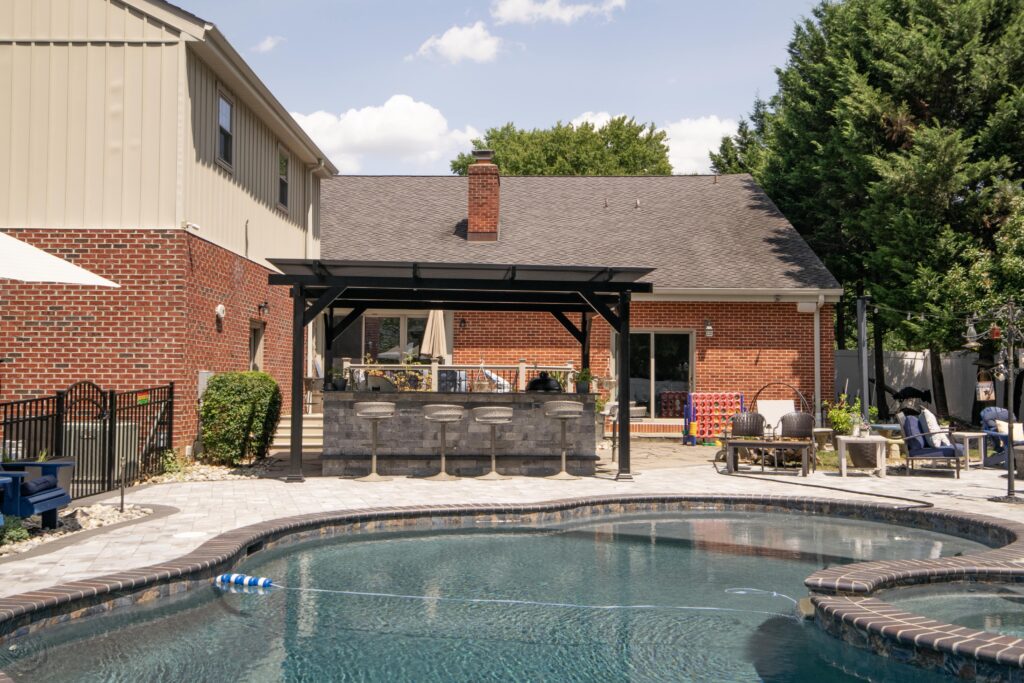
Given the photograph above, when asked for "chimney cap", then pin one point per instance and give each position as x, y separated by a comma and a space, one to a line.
483, 155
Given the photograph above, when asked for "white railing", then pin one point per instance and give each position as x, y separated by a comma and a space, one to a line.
482, 377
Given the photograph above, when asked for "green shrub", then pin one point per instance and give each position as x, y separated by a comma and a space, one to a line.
13, 530
239, 415
170, 463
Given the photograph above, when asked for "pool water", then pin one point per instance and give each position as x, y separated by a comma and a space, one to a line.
989, 607
695, 596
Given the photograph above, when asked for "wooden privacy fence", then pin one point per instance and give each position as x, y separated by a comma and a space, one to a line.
108, 434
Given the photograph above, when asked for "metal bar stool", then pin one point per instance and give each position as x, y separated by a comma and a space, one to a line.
493, 416
563, 411
443, 413
374, 411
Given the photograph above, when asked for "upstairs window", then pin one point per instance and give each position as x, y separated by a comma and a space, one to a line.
282, 179
225, 130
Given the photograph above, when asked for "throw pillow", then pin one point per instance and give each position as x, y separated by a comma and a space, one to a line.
931, 424
38, 485
1018, 429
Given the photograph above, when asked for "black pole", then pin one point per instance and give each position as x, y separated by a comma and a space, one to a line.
622, 370
298, 311
862, 354
585, 344
1011, 379
329, 349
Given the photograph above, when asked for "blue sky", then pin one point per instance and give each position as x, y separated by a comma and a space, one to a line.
401, 86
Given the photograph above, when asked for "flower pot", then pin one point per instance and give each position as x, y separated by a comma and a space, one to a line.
582, 387
861, 454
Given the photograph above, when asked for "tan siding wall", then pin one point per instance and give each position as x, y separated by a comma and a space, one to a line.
238, 208
88, 136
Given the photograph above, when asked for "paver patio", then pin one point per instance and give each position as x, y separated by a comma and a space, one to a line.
205, 509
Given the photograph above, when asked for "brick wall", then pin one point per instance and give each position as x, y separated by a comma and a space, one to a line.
158, 327
753, 343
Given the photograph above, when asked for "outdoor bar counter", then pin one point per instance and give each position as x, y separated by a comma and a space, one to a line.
409, 445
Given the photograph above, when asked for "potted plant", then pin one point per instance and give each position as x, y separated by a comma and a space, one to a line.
336, 379
845, 419
583, 379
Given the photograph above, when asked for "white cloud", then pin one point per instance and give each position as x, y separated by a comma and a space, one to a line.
267, 44
599, 119
532, 11
474, 43
401, 135
690, 140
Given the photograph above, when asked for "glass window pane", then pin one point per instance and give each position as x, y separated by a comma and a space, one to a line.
415, 329
382, 339
224, 114
640, 369
671, 373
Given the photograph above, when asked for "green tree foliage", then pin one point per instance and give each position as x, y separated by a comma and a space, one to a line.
238, 415
895, 145
621, 147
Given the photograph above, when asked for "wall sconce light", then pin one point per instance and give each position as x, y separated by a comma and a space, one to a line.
263, 308
462, 323
220, 311
709, 330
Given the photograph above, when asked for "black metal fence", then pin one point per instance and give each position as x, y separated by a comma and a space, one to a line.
108, 434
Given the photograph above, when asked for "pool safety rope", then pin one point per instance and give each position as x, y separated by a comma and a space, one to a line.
242, 583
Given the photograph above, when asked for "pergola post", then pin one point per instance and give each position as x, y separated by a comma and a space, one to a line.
622, 372
585, 344
298, 313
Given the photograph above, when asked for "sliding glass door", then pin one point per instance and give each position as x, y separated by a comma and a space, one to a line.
659, 371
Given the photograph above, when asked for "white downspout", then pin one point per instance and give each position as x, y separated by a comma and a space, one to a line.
817, 359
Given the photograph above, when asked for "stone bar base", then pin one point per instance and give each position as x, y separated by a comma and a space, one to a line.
410, 445
460, 465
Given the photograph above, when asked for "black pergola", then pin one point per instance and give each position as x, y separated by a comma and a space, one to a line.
318, 286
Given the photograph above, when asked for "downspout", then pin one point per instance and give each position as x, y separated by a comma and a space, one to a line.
817, 359
314, 328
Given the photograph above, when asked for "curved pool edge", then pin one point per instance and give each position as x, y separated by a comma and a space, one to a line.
844, 616
845, 608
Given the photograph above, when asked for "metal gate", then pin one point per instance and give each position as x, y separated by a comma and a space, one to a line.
108, 434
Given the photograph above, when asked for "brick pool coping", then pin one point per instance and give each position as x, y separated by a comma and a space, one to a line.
841, 595
844, 606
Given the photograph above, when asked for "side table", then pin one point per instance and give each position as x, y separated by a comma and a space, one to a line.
966, 438
879, 442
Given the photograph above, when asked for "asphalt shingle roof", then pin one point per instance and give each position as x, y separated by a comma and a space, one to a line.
697, 231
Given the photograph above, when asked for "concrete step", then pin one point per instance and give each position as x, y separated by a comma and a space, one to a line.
312, 432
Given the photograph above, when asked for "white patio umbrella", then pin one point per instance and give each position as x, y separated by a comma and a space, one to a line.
25, 263
435, 343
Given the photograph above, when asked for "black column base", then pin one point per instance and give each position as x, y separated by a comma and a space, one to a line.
293, 478
624, 476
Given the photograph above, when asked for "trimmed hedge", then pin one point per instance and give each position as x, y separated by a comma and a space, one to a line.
239, 414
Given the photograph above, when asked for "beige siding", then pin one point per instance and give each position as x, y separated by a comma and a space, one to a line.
237, 208
88, 137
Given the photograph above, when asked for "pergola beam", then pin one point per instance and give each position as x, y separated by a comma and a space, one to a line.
576, 332
456, 285
460, 306
322, 302
337, 330
604, 311
441, 297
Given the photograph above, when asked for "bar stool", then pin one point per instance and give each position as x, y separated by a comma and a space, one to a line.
443, 413
493, 416
563, 411
374, 411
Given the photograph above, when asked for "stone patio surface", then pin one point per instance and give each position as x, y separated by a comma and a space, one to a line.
205, 509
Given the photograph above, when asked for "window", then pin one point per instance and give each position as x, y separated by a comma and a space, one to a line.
659, 369
384, 338
225, 130
282, 178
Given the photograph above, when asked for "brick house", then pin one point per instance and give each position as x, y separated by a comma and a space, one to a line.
139, 145
739, 298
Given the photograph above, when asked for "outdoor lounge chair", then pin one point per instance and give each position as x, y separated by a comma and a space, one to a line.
23, 497
914, 436
996, 438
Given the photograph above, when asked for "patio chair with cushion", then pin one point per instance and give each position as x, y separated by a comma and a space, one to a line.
25, 497
925, 444
995, 424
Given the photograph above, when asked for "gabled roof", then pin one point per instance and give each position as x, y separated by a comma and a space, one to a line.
207, 40
699, 233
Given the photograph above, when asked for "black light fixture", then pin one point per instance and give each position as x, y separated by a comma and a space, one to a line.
263, 308
709, 329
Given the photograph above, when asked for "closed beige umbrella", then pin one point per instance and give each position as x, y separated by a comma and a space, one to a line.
435, 342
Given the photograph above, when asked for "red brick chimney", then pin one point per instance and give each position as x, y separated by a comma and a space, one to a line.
484, 194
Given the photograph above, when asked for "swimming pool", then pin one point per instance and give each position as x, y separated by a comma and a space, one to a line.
994, 607
697, 595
